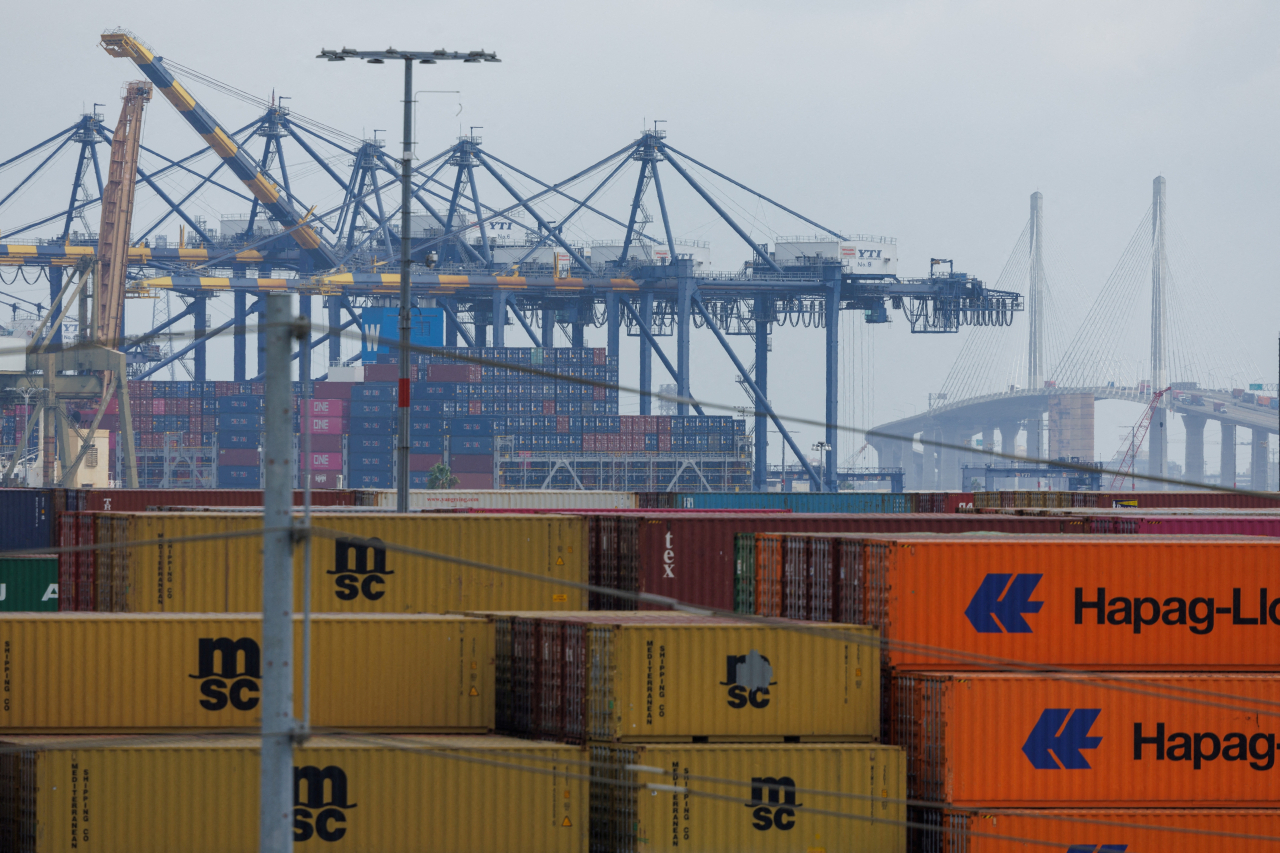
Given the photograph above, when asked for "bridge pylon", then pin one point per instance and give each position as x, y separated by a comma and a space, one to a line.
1158, 441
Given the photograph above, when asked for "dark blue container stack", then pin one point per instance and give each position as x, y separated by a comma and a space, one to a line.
374, 426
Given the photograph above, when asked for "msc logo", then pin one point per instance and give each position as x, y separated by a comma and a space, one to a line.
1004, 598
355, 578
320, 813
779, 809
1062, 732
748, 678
228, 682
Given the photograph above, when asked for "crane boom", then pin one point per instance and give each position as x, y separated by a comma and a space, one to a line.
1139, 433
117, 214
120, 43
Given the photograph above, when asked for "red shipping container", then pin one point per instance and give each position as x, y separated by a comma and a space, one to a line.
664, 424
257, 389
159, 407
325, 461
424, 461
599, 393
548, 407
192, 439
210, 423
1197, 525
387, 372
238, 456
475, 481
470, 463
448, 373
138, 390
475, 407
588, 443
331, 390
113, 406
664, 442
140, 407
335, 408
141, 500
324, 480
562, 423
108, 422
326, 443
327, 426
599, 356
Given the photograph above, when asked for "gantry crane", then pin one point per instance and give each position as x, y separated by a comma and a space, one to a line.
122, 43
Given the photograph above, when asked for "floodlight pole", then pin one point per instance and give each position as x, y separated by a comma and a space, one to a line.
426, 57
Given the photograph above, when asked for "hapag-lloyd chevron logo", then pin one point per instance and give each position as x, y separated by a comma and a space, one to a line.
1058, 737
1000, 602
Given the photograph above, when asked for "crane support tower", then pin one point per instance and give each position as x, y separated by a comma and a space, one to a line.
122, 43
117, 215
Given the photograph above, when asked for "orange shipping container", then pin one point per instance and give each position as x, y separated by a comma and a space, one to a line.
1128, 740
1150, 603
1112, 831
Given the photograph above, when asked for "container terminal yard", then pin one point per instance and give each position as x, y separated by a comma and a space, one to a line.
379, 578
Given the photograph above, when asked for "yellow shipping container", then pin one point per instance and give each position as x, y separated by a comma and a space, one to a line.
361, 795
225, 575
759, 798
82, 672
645, 676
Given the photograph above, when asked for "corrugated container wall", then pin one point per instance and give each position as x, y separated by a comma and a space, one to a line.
389, 795
690, 556
140, 500
28, 583
1200, 525
768, 801
677, 677
28, 519
1121, 830
809, 502
113, 672
1005, 741
535, 499
351, 572
1130, 602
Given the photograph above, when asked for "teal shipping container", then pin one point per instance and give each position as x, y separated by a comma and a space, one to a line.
808, 502
28, 583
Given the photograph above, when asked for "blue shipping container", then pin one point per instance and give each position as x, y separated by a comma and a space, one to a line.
376, 426
28, 519
240, 439
225, 421
427, 426
368, 443
373, 408
237, 404
471, 426
468, 444
810, 502
360, 461
426, 444
374, 391
369, 479
239, 477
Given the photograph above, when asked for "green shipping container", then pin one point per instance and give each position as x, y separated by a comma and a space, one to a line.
28, 583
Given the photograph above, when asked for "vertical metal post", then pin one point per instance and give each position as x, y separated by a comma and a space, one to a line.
304, 354
684, 321
201, 326
1158, 440
646, 355
613, 321
833, 386
1035, 297
239, 343
261, 335
275, 831
760, 473
406, 168
49, 431
499, 318
334, 304
548, 327
55, 296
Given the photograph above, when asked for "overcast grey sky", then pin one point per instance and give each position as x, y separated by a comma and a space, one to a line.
929, 122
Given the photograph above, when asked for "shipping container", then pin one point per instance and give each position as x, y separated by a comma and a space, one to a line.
115, 672
1126, 740
803, 576
806, 502
1103, 830
389, 794
138, 500
352, 571
1109, 603
772, 798
28, 519
29, 583
631, 676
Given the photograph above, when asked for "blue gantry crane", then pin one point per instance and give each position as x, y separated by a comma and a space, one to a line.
508, 256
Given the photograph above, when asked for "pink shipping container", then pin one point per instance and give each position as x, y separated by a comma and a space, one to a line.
334, 408
326, 461
327, 426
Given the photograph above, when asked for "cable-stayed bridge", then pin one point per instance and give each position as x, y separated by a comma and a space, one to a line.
1139, 335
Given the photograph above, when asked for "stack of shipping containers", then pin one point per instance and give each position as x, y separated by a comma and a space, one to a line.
1081, 691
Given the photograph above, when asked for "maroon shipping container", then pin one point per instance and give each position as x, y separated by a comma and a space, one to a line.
326, 443
1195, 525
139, 500
323, 480
331, 391
426, 461
1209, 500
689, 556
75, 568
238, 456
453, 372
471, 463
475, 481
